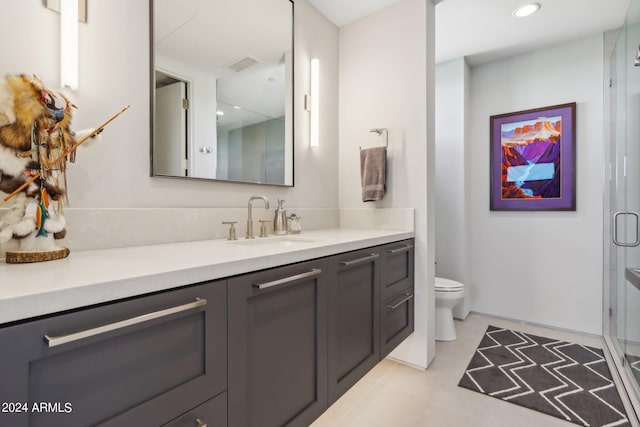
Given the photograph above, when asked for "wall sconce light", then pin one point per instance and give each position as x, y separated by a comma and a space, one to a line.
69, 43
71, 11
314, 107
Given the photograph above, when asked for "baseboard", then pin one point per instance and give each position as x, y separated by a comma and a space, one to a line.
541, 325
405, 363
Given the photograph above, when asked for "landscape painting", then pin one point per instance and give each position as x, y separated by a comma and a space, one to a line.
533, 159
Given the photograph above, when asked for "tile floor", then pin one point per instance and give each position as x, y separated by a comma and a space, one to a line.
395, 395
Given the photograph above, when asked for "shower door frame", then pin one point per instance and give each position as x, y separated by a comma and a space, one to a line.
616, 202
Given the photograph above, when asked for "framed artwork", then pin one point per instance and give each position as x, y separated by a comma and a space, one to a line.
533, 159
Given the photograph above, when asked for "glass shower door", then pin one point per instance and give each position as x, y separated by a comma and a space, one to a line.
632, 196
629, 283
624, 290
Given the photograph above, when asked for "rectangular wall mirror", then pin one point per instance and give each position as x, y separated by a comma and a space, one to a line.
222, 90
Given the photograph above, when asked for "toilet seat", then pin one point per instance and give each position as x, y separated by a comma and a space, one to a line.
448, 285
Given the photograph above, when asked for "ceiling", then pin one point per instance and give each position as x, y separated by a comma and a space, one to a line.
485, 30
343, 12
213, 38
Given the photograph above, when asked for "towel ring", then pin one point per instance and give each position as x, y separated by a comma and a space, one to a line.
379, 132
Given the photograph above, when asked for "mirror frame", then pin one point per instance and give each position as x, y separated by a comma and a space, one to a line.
152, 108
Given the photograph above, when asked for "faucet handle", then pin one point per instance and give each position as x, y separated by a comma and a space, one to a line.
263, 227
232, 229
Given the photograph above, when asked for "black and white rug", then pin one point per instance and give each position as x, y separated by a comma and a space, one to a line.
559, 378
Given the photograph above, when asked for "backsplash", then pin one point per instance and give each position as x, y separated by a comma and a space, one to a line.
105, 228
379, 218
89, 229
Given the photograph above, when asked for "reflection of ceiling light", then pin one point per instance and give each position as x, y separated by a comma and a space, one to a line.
220, 113
526, 10
237, 108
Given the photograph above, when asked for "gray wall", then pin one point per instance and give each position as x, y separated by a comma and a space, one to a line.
257, 152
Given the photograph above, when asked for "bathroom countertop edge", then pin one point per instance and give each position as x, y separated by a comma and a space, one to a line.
87, 278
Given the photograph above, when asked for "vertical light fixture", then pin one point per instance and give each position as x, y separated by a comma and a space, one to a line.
69, 43
314, 125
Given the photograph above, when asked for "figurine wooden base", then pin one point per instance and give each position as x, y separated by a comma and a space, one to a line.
22, 257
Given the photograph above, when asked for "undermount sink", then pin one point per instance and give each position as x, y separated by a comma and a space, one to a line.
279, 240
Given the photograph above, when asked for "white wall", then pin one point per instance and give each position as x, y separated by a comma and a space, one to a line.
542, 267
387, 81
114, 72
451, 222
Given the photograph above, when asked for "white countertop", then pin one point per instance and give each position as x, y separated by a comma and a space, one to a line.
92, 277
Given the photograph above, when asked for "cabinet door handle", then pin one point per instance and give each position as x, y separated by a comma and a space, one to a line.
402, 249
200, 423
53, 341
398, 304
359, 260
265, 285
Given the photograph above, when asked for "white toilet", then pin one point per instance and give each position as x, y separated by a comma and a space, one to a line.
448, 294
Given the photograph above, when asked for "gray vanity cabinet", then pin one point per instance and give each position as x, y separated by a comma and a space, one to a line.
278, 346
143, 361
354, 320
265, 349
397, 288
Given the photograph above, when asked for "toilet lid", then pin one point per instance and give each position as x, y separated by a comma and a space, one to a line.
448, 285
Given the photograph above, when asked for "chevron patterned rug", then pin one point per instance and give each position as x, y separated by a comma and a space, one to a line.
559, 378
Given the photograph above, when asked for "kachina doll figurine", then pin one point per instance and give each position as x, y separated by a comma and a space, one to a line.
36, 142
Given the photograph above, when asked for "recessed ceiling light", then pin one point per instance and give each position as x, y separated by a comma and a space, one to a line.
220, 113
526, 10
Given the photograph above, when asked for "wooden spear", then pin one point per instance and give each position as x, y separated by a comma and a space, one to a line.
65, 154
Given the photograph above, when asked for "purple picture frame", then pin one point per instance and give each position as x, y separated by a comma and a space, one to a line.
533, 159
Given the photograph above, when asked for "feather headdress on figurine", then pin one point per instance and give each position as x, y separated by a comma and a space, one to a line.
23, 100
34, 128
30, 114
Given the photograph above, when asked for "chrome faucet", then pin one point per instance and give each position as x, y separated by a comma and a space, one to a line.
250, 219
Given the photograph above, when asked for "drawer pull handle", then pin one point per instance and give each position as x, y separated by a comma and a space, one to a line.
64, 339
398, 304
359, 260
402, 249
265, 285
201, 423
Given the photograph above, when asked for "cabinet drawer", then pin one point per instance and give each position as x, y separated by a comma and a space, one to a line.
397, 267
397, 320
212, 413
142, 361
